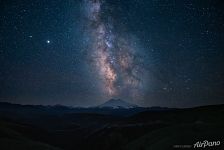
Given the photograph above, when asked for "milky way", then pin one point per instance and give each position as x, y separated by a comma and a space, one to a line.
84, 52
114, 56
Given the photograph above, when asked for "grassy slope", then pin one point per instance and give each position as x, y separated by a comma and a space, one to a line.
182, 134
12, 140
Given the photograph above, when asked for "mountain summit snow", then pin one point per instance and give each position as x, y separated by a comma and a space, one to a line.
117, 103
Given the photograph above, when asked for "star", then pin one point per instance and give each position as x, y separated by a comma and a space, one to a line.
48, 41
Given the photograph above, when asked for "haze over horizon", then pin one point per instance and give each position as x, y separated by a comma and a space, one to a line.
85, 52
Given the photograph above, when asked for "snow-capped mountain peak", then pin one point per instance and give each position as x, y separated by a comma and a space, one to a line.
117, 103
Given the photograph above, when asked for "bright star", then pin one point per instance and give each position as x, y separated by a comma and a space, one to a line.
48, 41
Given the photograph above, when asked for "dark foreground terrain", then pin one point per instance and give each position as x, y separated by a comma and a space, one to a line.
62, 128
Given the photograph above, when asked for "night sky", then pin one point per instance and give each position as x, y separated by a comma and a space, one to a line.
84, 52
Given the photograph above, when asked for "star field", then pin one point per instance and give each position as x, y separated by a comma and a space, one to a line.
84, 52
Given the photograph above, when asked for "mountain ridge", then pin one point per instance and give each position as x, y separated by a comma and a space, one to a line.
117, 103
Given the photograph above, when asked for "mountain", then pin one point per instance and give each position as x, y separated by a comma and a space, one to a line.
117, 103
16, 110
63, 128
